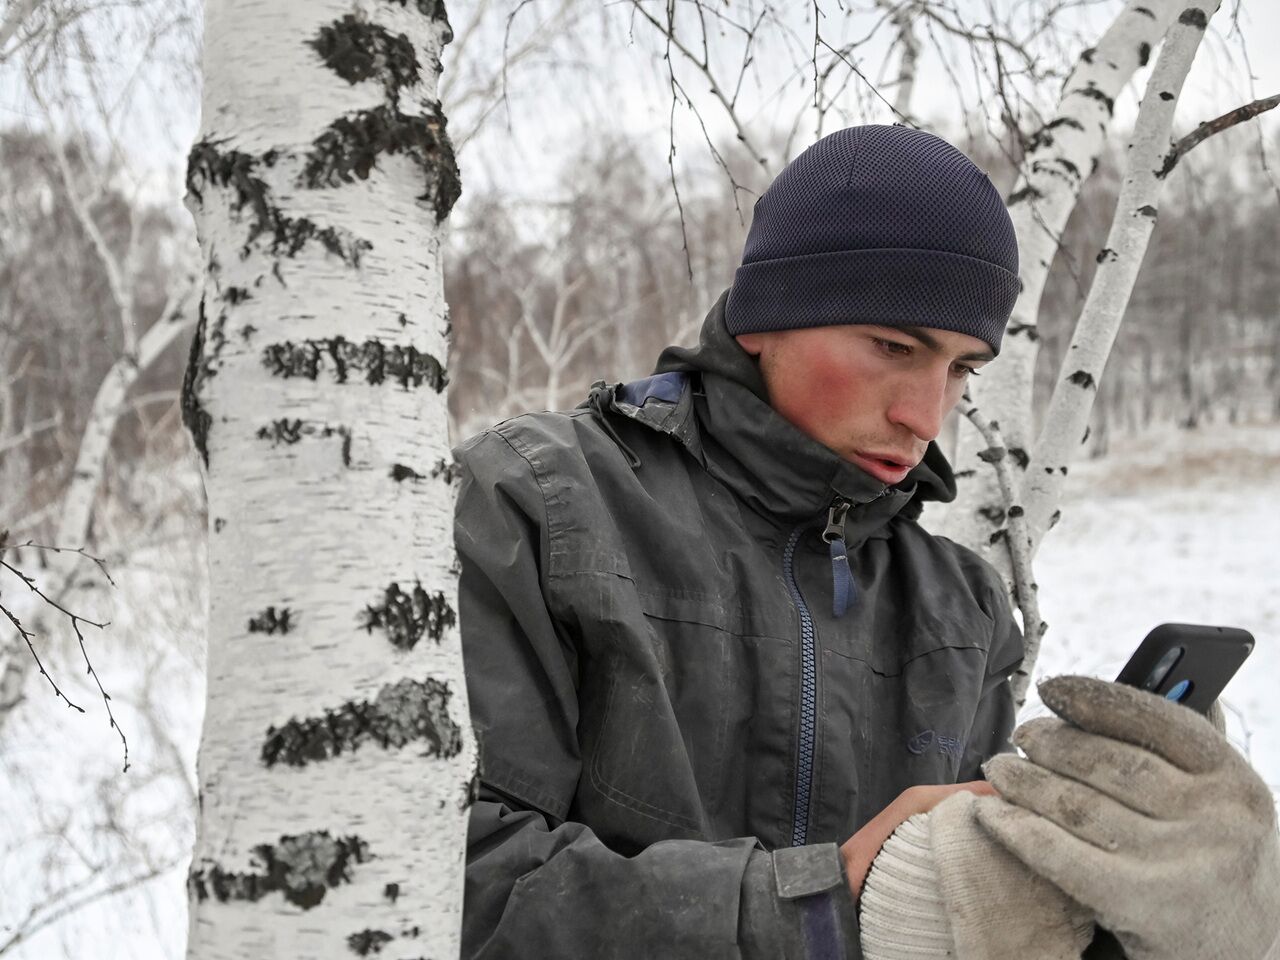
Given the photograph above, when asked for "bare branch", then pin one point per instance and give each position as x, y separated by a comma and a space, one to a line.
1210, 127
1025, 588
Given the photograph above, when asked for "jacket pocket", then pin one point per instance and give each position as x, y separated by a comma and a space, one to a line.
661, 745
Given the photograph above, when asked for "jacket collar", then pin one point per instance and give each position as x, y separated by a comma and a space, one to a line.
725, 419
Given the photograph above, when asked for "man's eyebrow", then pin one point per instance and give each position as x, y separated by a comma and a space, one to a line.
930, 341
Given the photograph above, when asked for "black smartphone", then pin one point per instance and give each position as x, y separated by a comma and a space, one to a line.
1189, 663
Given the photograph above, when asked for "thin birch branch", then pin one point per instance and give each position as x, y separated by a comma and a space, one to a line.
1025, 589
1210, 127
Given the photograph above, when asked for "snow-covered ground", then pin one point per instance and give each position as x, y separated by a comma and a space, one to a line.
1172, 526
1177, 526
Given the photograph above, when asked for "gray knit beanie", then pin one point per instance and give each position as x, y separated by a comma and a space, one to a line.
883, 225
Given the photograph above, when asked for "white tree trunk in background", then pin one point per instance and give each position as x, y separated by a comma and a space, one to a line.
1118, 264
1060, 156
76, 507
336, 760
1040, 206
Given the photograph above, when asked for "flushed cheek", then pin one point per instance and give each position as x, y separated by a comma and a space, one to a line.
830, 402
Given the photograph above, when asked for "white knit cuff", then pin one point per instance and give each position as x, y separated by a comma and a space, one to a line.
903, 913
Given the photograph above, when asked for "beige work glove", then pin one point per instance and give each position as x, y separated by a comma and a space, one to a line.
1140, 810
942, 887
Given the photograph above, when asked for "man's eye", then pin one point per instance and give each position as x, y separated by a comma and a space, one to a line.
963, 371
892, 346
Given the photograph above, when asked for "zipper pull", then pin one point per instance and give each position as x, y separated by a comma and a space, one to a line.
841, 576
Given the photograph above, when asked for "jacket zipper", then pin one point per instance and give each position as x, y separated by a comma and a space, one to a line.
842, 597
808, 696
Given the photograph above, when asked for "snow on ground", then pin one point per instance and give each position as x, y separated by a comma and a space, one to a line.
1177, 526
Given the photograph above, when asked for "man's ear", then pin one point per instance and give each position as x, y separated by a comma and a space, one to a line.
753, 343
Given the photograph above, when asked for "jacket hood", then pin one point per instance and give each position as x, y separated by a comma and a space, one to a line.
796, 468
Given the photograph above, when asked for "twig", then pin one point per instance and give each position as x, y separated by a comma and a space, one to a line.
76, 620
671, 129
1025, 588
1207, 129
24, 931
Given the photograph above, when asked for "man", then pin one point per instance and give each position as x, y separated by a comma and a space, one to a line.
714, 662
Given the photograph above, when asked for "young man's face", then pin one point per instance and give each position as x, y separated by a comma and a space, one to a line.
869, 393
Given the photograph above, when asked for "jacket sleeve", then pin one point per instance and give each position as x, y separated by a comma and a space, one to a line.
539, 884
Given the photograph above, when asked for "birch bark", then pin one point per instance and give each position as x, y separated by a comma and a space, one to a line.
1059, 157
1118, 264
336, 759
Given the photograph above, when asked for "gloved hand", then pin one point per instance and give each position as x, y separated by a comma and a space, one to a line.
1141, 811
942, 887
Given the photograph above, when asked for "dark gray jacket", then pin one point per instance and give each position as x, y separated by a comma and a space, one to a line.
677, 722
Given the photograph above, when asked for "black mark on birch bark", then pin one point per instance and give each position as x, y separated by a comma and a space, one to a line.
288, 431
194, 416
208, 164
993, 515
1147, 210
1053, 520
995, 537
432, 9
1059, 167
402, 712
1144, 53
391, 891
236, 295
1027, 330
357, 50
1044, 137
1194, 17
301, 868
1081, 378
1166, 95
271, 621
1106, 255
1088, 54
1016, 511
368, 941
374, 360
992, 454
960, 474
1019, 456
1145, 11
401, 473
449, 472
349, 149
1093, 93
1025, 194
407, 616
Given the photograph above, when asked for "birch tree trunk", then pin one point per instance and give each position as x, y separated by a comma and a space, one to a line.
1060, 156
1029, 480
336, 761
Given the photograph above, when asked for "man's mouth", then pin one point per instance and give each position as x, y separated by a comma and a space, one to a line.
888, 469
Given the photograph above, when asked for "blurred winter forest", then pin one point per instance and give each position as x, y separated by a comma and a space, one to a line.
610, 154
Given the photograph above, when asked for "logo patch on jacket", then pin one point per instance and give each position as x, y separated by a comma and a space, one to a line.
924, 740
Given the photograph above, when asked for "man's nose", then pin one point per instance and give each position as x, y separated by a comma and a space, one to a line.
921, 406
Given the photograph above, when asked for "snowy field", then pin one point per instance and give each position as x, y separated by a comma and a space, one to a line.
1173, 526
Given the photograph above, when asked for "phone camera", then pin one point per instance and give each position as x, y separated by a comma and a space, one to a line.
1161, 670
